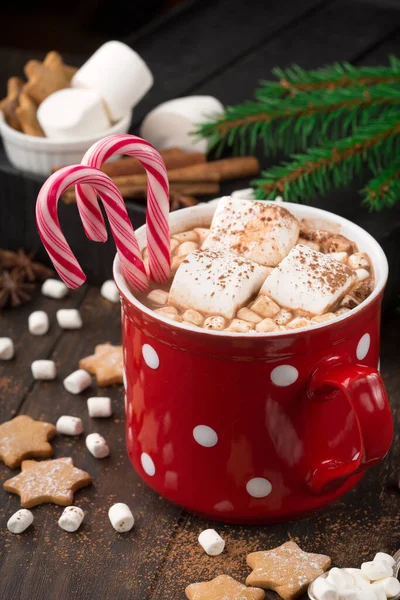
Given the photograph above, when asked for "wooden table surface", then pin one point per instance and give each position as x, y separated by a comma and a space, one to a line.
222, 48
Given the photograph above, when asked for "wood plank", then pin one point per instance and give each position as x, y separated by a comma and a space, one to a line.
15, 375
84, 564
363, 522
206, 39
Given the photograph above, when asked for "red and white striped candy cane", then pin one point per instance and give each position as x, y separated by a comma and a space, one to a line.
158, 241
54, 240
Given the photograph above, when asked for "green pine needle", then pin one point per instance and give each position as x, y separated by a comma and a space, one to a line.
383, 191
333, 165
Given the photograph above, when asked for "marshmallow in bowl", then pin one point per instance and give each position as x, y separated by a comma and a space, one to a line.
308, 281
215, 282
72, 114
118, 74
261, 231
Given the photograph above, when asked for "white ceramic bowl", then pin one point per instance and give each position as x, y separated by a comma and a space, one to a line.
40, 154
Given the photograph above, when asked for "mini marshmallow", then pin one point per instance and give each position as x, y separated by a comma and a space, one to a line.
215, 323
340, 256
377, 569
159, 297
172, 123
359, 260
192, 316
118, 74
69, 425
216, 282
307, 280
53, 288
265, 307
246, 194
248, 315
71, 518
211, 542
78, 381
109, 291
266, 325
97, 445
69, 318
370, 594
38, 322
121, 517
264, 232
340, 578
99, 407
362, 274
360, 581
7, 350
186, 248
383, 556
351, 594
323, 590
44, 369
390, 586
70, 114
239, 326
20, 521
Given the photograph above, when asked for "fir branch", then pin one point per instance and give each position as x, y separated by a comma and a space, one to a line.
295, 79
329, 166
300, 121
384, 189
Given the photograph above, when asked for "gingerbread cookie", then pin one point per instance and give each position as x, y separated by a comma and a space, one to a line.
222, 588
22, 438
46, 77
10, 103
287, 570
106, 364
47, 481
26, 113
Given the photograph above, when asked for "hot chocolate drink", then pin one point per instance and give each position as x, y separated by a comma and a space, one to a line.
256, 269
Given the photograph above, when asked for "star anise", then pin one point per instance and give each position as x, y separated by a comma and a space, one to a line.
24, 261
14, 289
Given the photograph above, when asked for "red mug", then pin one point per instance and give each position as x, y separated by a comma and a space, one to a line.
259, 428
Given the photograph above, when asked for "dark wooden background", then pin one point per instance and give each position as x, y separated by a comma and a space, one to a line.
219, 47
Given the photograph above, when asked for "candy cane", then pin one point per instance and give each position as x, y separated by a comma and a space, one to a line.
54, 240
158, 242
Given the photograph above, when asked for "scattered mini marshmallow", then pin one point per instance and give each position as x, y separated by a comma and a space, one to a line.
97, 445
246, 194
118, 74
211, 542
53, 288
44, 369
264, 232
69, 318
377, 569
38, 322
109, 291
99, 407
70, 114
340, 578
215, 282
323, 590
172, 123
159, 297
359, 260
78, 381
307, 280
340, 256
71, 518
20, 521
215, 323
7, 350
121, 517
68, 425
390, 586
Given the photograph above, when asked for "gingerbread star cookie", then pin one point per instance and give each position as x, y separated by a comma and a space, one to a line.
26, 113
22, 438
287, 570
47, 77
47, 481
10, 103
106, 364
222, 588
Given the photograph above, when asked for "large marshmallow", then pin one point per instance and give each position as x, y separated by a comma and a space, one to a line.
308, 281
215, 282
71, 114
172, 123
118, 74
262, 231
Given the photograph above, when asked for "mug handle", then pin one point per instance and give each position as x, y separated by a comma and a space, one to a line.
365, 391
